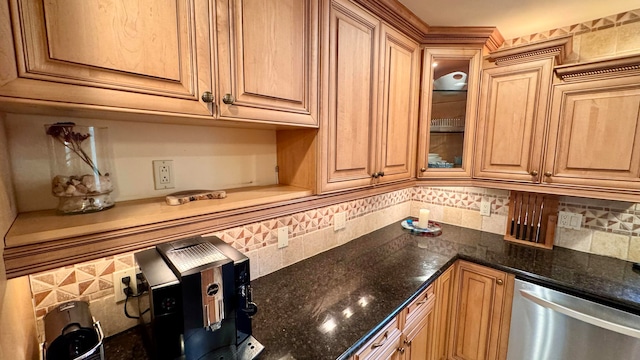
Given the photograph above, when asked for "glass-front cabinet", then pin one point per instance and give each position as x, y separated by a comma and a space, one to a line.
447, 119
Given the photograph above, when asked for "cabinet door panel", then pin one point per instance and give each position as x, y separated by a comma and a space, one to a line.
513, 108
399, 105
348, 137
269, 60
145, 55
478, 327
597, 142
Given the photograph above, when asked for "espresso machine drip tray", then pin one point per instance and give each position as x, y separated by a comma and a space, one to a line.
194, 255
247, 350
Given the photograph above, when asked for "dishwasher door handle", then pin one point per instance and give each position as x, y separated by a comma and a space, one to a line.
590, 319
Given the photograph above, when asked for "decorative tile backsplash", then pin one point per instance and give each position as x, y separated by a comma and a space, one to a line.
578, 29
609, 228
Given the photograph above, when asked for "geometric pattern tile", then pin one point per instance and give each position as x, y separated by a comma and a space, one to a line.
577, 29
94, 279
462, 198
614, 217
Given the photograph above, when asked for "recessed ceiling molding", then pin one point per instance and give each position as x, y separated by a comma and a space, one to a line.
560, 48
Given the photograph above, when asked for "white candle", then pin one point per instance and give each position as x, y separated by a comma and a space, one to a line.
423, 219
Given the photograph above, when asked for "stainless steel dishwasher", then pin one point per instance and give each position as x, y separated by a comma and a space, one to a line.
550, 325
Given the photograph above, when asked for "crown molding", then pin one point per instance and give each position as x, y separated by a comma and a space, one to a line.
396, 14
483, 36
559, 48
609, 67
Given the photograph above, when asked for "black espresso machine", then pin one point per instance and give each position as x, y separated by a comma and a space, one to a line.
199, 299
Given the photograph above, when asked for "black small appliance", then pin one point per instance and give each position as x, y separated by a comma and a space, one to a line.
71, 333
200, 300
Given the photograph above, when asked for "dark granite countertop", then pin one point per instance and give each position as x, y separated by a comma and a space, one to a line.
327, 306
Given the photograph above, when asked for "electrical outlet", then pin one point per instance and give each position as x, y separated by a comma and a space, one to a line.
564, 219
163, 174
119, 287
339, 221
283, 237
485, 208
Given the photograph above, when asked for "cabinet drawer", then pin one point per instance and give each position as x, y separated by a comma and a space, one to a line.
387, 338
419, 304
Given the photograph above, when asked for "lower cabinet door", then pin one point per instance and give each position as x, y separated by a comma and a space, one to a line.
482, 313
418, 342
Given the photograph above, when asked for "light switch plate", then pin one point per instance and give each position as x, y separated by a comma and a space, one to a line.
283, 237
339, 221
485, 208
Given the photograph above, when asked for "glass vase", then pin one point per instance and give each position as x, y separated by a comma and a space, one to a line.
80, 167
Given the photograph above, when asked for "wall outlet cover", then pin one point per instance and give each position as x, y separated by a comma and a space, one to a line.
163, 174
118, 286
564, 219
485, 208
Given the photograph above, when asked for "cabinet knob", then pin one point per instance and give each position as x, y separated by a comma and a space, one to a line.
499, 282
423, 169
548, 174
375, 175
381, 173
401, 350
534, 173
207, 97
407, 342
228, 99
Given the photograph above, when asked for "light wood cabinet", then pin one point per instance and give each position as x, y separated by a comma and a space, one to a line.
512, 121
513, 111
371, 101
444, 287
384, 345
578, 136
481, 313
450, 81
594, 130
240, 60
131, 55
267, 54
419, 327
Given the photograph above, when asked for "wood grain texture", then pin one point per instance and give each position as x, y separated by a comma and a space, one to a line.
400, 64
268, 60
297, 154
394, 13
443, 311
594, 137
478, 320
136, 225
8, 66
512, 117
67, 53
348, 137
436, 106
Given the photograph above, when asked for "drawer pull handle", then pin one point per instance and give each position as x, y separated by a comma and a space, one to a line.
384, 340
421, 302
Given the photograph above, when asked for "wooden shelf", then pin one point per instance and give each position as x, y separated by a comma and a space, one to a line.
44, 226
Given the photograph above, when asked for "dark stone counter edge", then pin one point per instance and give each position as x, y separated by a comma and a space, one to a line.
520, 274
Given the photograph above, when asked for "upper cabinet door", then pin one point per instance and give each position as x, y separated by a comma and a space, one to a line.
268, 60
400, 64
511, 122
348, 138
594, 137
450, 80
143, 55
